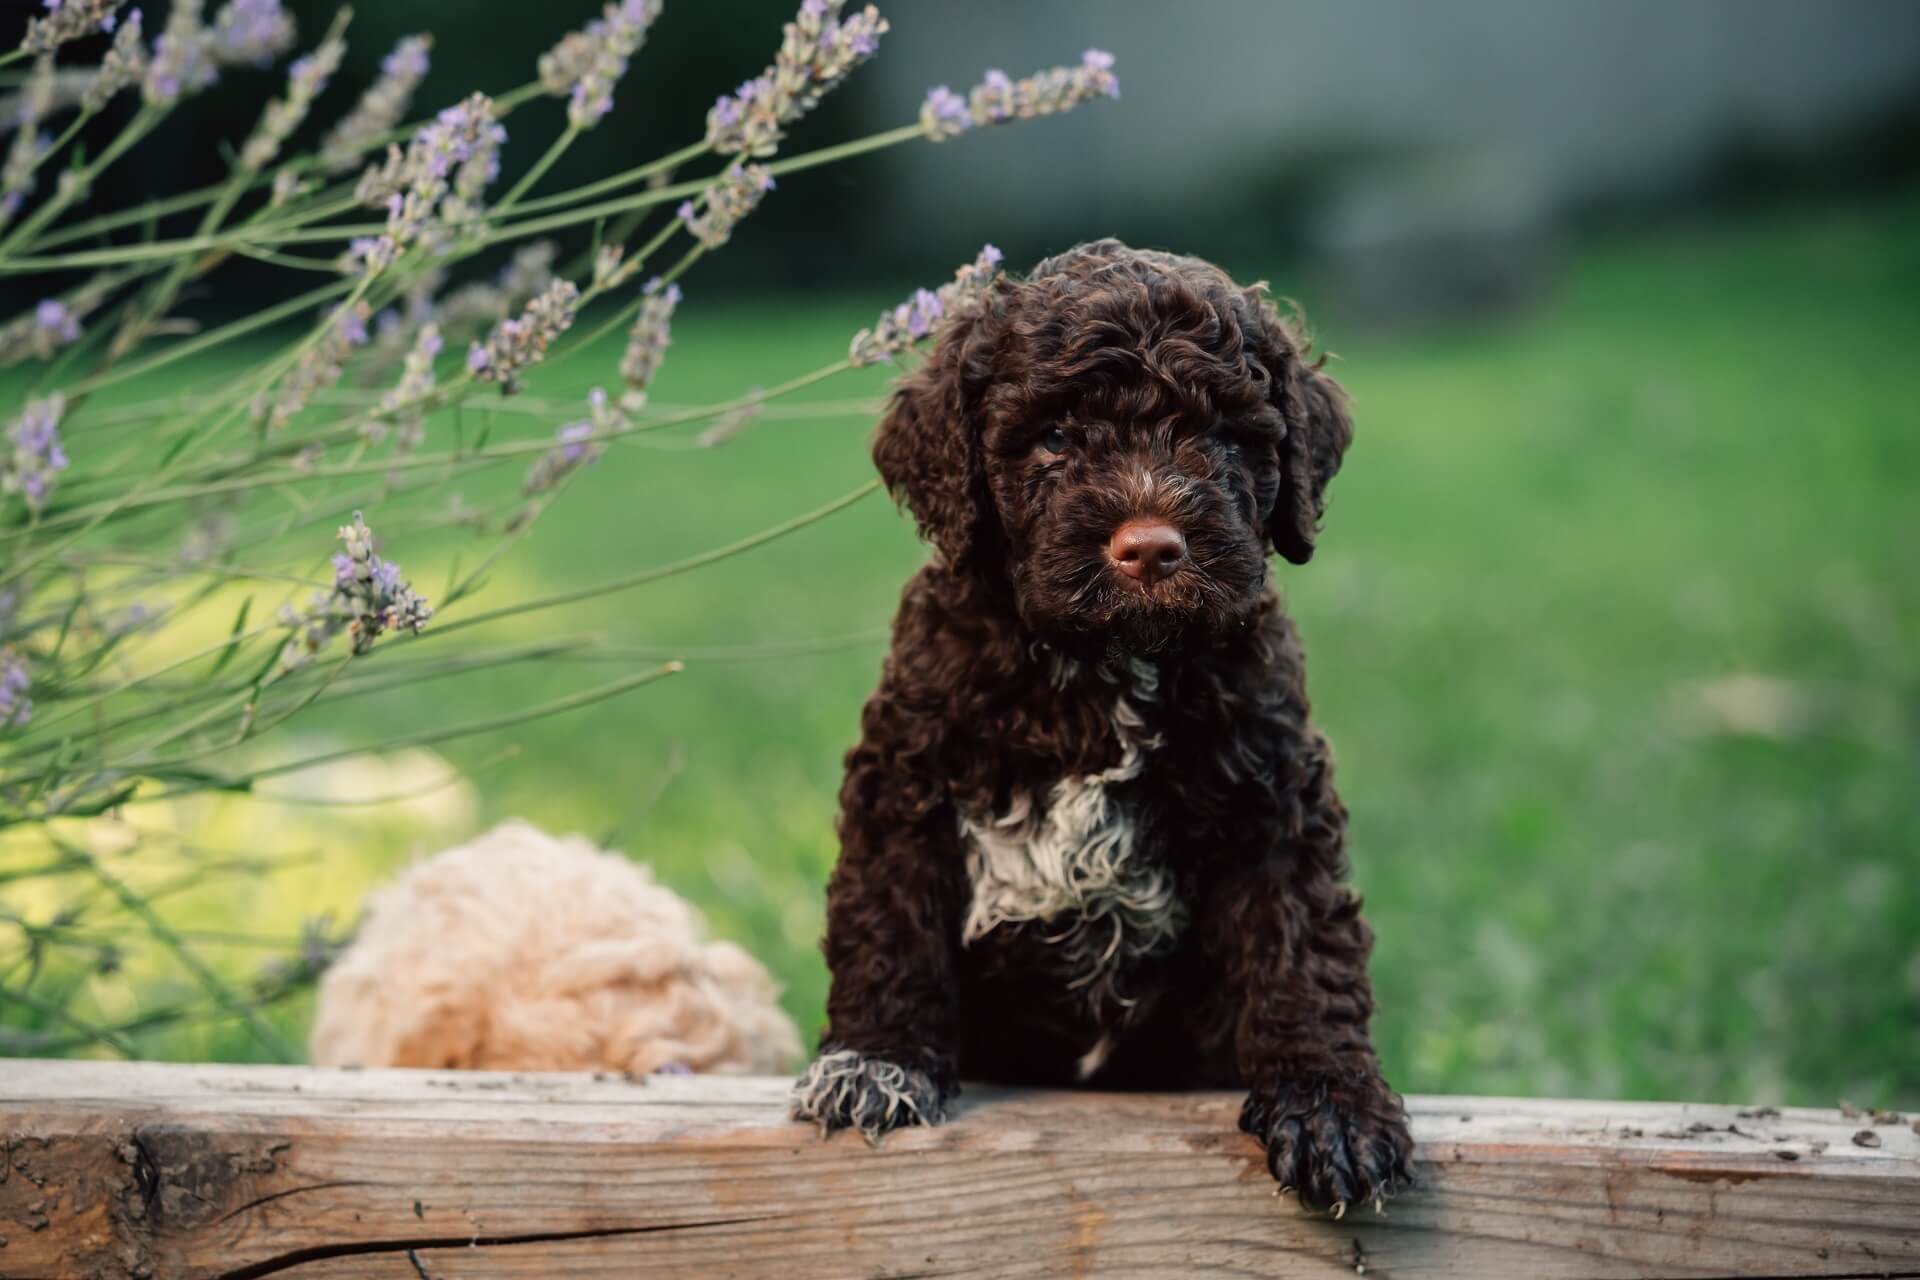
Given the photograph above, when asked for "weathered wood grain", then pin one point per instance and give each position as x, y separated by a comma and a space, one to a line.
191, 1172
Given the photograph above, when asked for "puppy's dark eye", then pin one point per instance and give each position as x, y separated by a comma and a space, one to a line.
1055, 441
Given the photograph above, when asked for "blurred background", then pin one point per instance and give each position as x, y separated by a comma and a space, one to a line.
1616, 622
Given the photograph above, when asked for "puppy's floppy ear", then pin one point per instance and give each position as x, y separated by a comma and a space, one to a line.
928, 447
1319, 425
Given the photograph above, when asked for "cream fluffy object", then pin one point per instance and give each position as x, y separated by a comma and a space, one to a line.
524, 952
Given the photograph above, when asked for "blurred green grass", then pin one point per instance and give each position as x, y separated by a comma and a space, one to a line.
1616, 631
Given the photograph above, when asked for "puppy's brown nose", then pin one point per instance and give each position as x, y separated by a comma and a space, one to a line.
1147, 550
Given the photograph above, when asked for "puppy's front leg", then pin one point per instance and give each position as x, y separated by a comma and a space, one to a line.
887, 1058
1290, 939
1333, 1129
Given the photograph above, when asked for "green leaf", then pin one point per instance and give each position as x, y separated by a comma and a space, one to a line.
112, 800
175, 449
66, 623
233, 642
266, 669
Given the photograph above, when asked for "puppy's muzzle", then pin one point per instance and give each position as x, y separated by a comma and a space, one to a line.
1148, 551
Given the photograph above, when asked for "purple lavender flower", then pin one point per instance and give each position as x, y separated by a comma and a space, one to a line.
16, 708
51, 324
182, 61
922, 310
576, 445
899, 330
52, 315
397, 328
945, 114
731, 197
409, 58
817, 51
727, 113
573, 438
287, 183
370, 596
37, 455
647, 341
306, 78
122, 67
319, 368
586, 65
387, 578
251, 33
528, 273
435, 185
403, 410
607, 271
734, 421
68, 21
998, 97
30, 144
371, 254
381, 107
520, 341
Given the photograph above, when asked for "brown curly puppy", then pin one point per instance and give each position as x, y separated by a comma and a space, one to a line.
1089, 835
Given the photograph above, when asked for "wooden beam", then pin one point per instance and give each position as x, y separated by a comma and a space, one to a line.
114, 1171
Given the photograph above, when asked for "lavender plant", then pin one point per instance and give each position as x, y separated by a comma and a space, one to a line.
171, 599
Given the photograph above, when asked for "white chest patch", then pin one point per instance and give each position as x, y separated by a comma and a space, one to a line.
1075, 861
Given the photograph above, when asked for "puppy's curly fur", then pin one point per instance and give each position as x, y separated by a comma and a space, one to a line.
1089, 834
521, 951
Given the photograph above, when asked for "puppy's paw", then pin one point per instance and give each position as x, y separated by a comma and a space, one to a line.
843, 1089
1338, 1141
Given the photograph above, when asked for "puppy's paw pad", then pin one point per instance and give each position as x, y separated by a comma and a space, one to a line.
843, 1089
1341, 1142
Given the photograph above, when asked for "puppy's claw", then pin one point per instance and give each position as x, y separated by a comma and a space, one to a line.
1337, 1144
848, 1090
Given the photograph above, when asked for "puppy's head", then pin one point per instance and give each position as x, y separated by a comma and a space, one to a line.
1119, 439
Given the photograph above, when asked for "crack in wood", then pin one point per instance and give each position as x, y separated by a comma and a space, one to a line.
282, 1195
146, 1171
299, 1257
